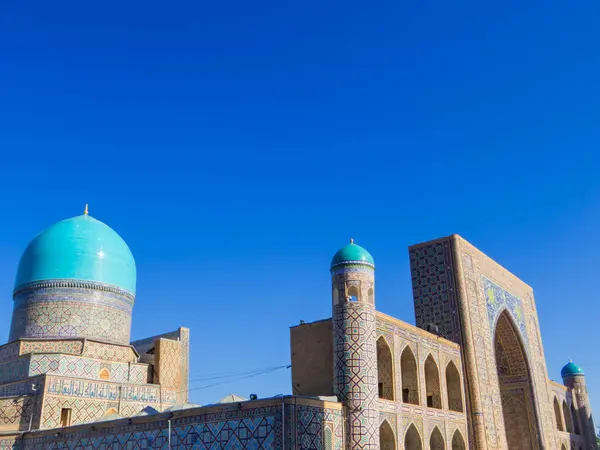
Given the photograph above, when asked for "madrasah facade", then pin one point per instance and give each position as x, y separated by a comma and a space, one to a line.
470, 374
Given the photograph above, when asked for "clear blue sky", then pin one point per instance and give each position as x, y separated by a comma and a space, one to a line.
236, 145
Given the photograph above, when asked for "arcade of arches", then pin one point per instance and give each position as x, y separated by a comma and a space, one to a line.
515, 386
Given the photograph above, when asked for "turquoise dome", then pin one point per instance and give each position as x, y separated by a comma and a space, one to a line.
571, 369
80, 248
352, 253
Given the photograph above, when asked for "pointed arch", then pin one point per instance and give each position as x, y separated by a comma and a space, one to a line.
563, 447
557, 416
385, 370
110, 411
576, 429
371, 296
410, 377
436, 440
453, 388
353, 292
458, 443
567, 416
432, 383
512, 366
412, 439
387, 439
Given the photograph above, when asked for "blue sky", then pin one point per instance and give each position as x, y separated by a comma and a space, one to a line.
236, 145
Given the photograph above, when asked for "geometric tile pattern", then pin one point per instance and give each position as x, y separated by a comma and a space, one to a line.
433, 286
497, 299
14, 370
109, 352
73, 347
355, 361
167, 363
232, 429
57, 309
77, 366
15, 412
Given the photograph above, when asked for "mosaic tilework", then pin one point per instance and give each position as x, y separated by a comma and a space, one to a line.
73, 387
355, 359
14, 370
19, 388
109, 352
310, 427
232, 430
71, 346
9, 351
62, 310
15, 412
434, 292
76, 366
167, 359
497, 299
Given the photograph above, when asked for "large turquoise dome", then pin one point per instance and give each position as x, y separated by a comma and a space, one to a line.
352, 253
80, 248
571, 369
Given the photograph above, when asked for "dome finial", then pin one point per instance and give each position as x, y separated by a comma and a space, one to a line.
352, 240
86, 210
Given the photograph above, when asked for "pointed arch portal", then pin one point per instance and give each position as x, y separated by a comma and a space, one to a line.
436, 441
458, 443
515, 384
412, 440
387, 440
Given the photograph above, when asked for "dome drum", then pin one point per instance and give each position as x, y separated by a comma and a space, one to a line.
58, 309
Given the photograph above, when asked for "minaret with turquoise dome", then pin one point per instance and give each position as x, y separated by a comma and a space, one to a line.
354, 344
574, 378
76, 279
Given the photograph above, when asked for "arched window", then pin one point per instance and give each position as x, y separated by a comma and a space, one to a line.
557, 416
327, 438
353, 292
567, 416
387, 440
412, 440
104, 374
453, 386
458, 443
432, 384
385, 370
575, 419
410, 378
436, 441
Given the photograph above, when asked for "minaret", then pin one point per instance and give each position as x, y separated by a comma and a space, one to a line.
354, 344
574, 378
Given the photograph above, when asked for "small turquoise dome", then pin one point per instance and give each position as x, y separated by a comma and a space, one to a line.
571, 369
352, 253
79, 248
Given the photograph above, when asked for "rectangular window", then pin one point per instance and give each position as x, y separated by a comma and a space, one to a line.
430, 401
380, 386
405, 395
65, 417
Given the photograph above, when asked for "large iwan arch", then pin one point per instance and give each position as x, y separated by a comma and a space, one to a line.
515, 383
